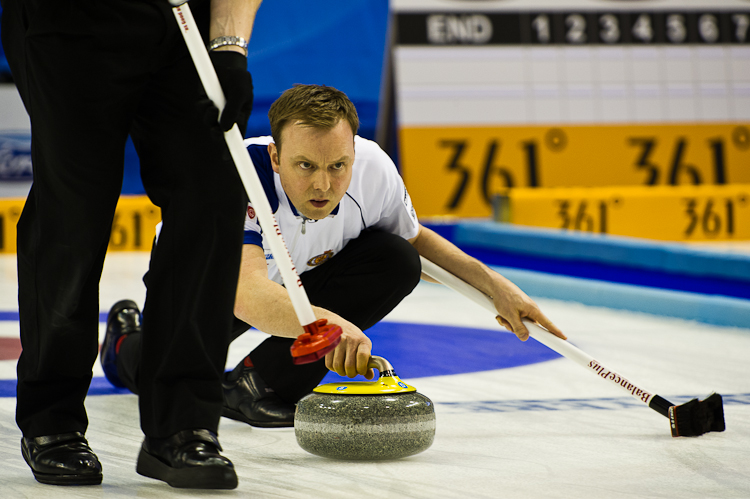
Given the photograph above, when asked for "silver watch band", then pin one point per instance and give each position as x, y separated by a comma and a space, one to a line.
228, 40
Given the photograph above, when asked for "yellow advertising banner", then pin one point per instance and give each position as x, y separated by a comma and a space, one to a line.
683, 213
457, 171
133, 226
10, 212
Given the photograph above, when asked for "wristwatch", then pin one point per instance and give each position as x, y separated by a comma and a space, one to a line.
228, 40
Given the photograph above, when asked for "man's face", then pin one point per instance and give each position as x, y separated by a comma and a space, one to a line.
315, 166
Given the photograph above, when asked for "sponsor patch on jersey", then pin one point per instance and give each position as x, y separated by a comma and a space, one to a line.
317, 260
250, 212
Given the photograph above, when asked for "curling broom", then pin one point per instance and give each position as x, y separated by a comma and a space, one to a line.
690, 419
319, 337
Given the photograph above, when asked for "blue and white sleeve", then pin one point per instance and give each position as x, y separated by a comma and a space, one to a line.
253, 232
397, 213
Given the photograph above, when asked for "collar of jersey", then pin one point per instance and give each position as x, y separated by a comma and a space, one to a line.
297, 214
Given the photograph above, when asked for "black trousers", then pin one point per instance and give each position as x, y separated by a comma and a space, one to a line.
90, 72
362, 283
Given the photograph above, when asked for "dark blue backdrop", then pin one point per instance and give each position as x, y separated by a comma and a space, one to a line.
4, 69
333, 42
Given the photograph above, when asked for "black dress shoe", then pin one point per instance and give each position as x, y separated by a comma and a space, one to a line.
123, 319
188, 459
63, 459
249, 399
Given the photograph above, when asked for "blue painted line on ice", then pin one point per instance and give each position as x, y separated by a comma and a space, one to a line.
99, 386
575, 404
8, 315
12, 315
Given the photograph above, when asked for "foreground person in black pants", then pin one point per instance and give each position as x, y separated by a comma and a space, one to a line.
90, 73
354, 238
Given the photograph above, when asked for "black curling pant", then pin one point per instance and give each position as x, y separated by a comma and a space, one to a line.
362, 283
90, 72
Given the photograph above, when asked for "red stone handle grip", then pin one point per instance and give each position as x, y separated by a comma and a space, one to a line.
318, 339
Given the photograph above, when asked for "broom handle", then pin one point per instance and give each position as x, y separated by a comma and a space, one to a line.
548, 339
245, 167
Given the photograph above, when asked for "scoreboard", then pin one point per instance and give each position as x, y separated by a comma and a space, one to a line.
501, 94
570, 27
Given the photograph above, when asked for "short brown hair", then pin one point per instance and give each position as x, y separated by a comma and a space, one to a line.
316, 106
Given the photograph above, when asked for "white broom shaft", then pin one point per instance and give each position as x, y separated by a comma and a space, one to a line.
540, 334
245, 168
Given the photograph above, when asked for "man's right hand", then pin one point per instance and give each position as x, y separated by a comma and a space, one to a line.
352, 354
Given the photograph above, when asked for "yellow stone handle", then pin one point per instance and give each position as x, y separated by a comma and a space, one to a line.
380, 364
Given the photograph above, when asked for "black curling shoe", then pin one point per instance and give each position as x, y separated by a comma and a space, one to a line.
123, 319
188, 459
62, 459
249, 399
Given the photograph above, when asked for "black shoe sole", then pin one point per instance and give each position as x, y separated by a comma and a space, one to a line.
238, 416
54, 479
50, 479
204, 477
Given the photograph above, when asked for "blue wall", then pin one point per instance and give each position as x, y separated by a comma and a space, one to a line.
339, 43
4, 69
675, 280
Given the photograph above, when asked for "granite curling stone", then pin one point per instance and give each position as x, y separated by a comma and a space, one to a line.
377, 420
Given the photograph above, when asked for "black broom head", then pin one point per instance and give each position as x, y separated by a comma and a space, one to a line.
697, 417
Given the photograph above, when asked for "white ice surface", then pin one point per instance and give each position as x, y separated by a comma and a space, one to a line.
547, 430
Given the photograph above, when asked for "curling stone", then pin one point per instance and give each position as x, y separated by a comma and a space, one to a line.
376, 420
